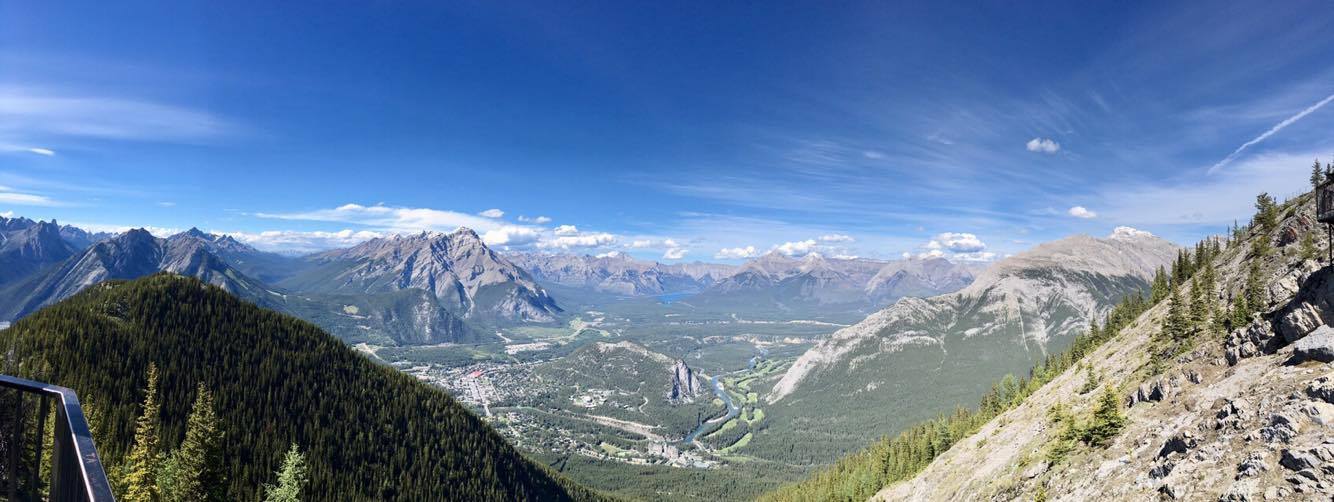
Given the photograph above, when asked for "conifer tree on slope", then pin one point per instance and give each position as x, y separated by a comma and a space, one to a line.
194, 471
144, 460
291, 478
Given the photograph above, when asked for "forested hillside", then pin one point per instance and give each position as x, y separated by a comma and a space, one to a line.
368, 432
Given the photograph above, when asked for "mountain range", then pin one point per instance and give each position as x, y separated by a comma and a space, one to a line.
773, 281
620, 274
922, 352
359, 294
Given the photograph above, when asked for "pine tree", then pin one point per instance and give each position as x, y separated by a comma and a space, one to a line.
1254, 297
1199, 308
1158, 290
194, 471
1176, 326
291, 478
1266, 212
1317, 174
1107, 420
144, 460
1307, 249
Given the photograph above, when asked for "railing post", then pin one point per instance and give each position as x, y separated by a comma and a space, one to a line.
43, 403
15, 444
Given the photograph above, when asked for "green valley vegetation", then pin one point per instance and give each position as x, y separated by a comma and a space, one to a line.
196, 395
892, 459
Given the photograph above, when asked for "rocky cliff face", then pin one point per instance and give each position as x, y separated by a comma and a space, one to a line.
466, 276
684, 384
1244, 415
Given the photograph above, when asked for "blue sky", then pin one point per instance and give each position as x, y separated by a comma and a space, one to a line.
669, 131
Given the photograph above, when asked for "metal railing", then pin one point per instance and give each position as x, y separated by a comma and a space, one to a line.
75, 471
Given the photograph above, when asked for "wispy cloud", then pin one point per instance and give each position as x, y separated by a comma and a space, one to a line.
1216, 200
42, 151
1272, 131
492, 213
31, 113
11, 196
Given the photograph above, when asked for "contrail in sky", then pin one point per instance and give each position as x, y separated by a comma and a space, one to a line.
1272, 131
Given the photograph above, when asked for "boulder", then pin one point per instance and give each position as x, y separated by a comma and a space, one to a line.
1194, 377
1300, 320
1253, 465
1232, 413
1316, 346
1180, 442
1322, 388
1240, 491
1298, 460
1282, 427
1156, 390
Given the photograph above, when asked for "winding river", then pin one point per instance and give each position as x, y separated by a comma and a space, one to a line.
732, 409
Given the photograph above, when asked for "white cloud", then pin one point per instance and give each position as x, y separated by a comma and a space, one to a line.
292, 241
492, 213
391, 218
511, 236
978, 256
1272, 131
42, 151
608, 254
957, 242
873, 155
578, 241
641, 243
7, 214
836, 238
1082, 212
737, 253
567, 230
670, 243
120, 229
934, 253
1043, 145
540, 220
796, 248
166, 204
675, 254
1124, 232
